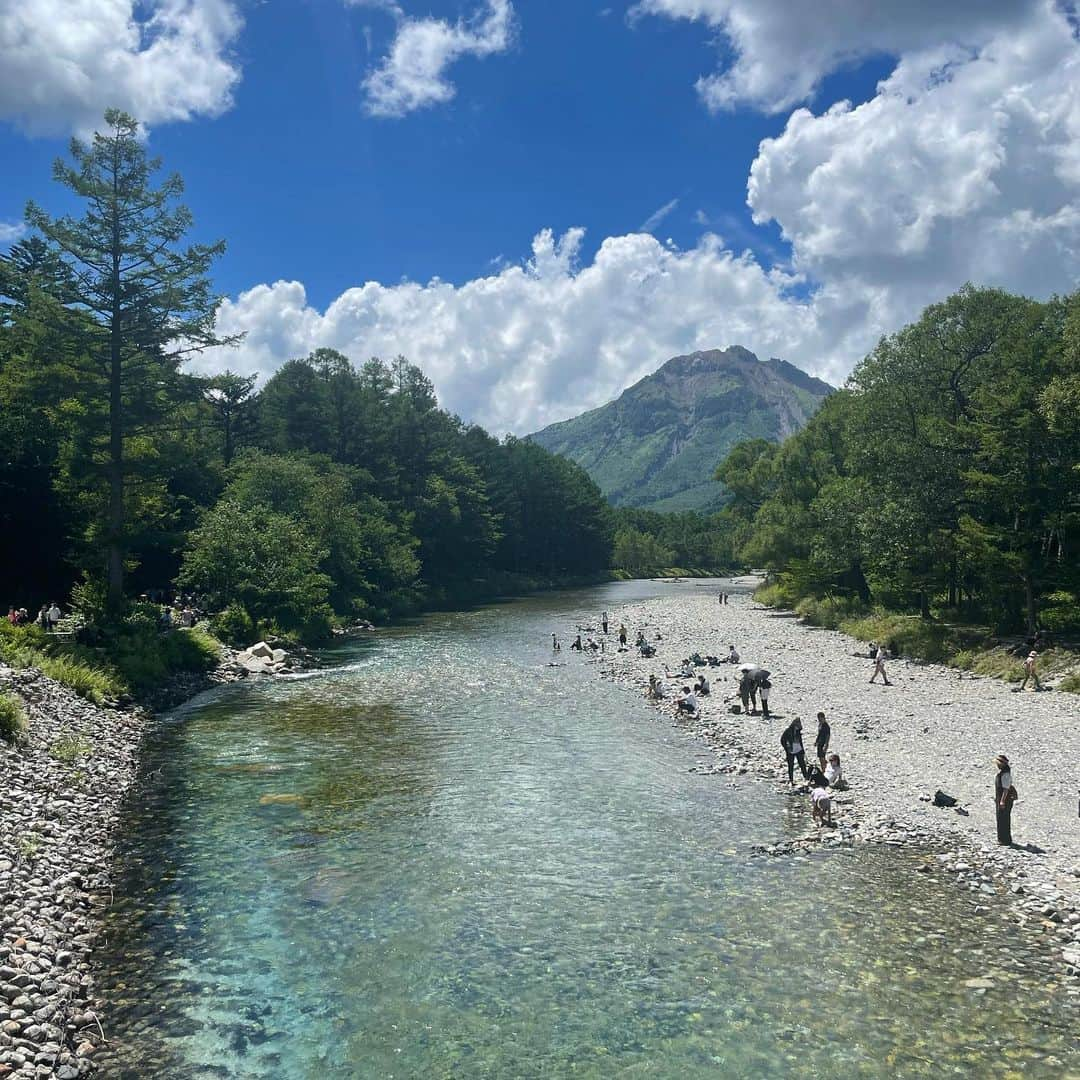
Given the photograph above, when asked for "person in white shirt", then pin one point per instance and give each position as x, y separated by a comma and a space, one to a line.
54, 616
835, 774
687, 702
733, 655
822, 805
879, 666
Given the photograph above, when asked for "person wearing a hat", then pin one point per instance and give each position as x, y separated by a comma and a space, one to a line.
1029, 670
1004, 797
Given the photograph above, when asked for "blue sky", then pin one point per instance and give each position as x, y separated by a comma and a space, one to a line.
567, 115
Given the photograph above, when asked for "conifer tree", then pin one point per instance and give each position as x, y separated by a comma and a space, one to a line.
148, 299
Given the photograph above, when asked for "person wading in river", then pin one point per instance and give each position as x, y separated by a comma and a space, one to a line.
792, 743
1004, 797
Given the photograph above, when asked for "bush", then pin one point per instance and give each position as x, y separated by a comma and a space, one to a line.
904, 635
776, 594
144, 656
829, 611
1070, 684
69, 748
12, 720
234, 625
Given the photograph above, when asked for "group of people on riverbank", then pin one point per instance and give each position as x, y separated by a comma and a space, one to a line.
47, 618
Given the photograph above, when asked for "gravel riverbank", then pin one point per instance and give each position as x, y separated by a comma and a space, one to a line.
61, 794
934, 728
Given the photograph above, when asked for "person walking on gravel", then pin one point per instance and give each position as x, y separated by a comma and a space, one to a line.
1004, 797
1030, 671
792, 743
879, 666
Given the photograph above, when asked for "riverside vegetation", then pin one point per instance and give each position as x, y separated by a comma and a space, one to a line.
934, 502
334, 492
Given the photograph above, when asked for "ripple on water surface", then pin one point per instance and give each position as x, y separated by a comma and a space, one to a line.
444, 858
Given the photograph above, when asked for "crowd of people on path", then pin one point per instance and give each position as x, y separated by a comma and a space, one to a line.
48, 618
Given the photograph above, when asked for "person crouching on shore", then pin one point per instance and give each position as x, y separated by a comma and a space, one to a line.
821, 802
834, 774
687, 703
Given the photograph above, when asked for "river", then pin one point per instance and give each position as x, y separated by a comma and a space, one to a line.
438, 856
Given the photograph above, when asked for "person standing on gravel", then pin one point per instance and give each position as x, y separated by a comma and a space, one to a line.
1004, 797
879, 666
604, 621
824, 734
792, 743
1030, 671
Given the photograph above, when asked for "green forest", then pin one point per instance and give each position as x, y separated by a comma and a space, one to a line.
335, 491
943, 479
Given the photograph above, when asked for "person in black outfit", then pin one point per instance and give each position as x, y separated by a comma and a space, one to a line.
821, 743
792, 743
1004, 797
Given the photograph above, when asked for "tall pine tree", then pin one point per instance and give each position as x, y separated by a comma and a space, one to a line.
148, 298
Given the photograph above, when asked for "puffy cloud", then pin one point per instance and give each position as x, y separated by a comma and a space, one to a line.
539, 341
63, 64
413, 75
782, 50
964, 166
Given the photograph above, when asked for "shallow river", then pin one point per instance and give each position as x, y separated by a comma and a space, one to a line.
441, 857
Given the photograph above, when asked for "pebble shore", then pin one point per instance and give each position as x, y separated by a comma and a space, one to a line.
61, 796
934, 728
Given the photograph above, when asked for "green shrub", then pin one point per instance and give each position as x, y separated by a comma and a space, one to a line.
69, 748
1070, 684
998, 663
964, 659
1061, 612
144, 656
12, 720
234, 625
829, 611
775, 594
905, 635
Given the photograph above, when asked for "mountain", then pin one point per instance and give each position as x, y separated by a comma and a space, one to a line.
658, 444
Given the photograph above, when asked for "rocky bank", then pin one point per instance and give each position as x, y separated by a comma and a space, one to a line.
61, 795
934, 728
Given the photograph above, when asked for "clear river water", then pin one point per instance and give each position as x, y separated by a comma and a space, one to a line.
438, 856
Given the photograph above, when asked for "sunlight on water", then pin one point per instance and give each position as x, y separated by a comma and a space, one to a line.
444, 858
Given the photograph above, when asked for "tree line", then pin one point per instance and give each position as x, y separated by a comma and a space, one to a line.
336, 490
944, 477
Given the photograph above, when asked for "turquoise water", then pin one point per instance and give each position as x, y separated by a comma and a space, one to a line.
440, 857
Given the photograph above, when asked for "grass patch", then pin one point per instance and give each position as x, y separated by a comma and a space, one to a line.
28, 847
70, 748
12, 720
904, 635
134, 658
1070, 684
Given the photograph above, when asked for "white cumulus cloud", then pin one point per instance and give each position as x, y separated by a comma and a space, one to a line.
964, 166
540, 341
782, 50
62, 64
413, 74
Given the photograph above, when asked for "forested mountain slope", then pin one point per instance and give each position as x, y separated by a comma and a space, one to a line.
658, 444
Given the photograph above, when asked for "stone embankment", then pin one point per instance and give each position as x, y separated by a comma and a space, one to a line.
934, 728
61, 796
